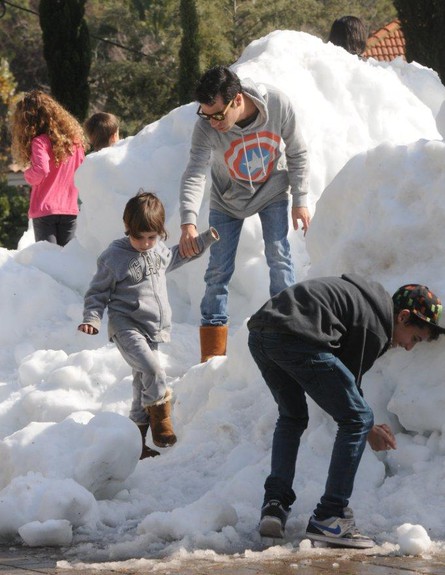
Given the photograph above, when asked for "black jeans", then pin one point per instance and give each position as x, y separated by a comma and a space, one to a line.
56, 229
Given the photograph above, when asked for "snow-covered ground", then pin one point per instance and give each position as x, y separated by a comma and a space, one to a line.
70, 472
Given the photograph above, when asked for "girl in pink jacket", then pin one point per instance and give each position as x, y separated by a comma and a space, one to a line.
50, 141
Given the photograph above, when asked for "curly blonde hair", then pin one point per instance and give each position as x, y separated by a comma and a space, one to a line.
37, 113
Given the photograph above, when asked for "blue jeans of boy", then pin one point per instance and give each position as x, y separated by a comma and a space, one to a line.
275, 225
292, 368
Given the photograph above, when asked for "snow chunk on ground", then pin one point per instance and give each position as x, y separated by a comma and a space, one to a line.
413, 539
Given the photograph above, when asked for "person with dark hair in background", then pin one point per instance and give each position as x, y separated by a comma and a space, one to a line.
240, 132
102, 130
349, 33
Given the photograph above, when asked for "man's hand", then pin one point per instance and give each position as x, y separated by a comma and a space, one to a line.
303, 215
188, 246
381, 438
87, 328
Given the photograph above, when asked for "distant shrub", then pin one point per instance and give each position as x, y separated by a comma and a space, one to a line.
14, 202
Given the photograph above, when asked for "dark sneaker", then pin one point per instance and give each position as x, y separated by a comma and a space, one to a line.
339, 531
273, 519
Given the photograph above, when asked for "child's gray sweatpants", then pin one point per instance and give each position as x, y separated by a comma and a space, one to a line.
149, 379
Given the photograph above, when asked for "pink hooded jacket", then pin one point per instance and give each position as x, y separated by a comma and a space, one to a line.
53, 191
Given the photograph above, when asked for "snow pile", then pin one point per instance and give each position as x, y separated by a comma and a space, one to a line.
70, 470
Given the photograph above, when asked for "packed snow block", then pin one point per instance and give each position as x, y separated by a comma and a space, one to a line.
111, 450
211, 513
390, 197
34, 498
41, 320
57, 384
57, 533
98, 452
34, 366
413, 539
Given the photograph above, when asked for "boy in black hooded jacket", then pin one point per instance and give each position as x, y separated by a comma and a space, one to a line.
319, 337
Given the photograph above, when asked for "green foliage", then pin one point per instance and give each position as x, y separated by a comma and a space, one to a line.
151, 29
13, 214
7, 91
137, 85
189, 72
156, 14
7, 82
66, 47
148, 91
228, 26
423, 25
21, 45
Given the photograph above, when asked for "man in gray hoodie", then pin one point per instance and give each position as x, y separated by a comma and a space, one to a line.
240, 132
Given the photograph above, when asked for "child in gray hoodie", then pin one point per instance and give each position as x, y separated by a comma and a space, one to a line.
130, 280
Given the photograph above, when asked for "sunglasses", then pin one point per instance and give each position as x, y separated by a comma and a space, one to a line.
217, 116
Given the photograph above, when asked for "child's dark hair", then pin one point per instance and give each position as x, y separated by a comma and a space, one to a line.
349, 32
99, 128
424, 307
422, 324
144, 213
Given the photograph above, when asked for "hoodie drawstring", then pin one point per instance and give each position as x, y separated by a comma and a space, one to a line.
247, 163
247, 159
261, 153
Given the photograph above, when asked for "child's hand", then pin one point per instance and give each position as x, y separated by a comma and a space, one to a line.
381, 438
87, 328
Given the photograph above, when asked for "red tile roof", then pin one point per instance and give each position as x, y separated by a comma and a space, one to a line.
386, 43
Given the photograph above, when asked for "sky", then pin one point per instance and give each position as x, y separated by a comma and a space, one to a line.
70, 475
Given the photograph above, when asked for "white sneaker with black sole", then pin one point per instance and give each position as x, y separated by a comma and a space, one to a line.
273, 519
339, 531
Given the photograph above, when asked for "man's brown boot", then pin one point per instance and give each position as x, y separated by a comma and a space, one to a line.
213, 340
160, 422
146, 451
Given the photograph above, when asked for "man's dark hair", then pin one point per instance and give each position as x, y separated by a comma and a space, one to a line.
218, 81
349, 32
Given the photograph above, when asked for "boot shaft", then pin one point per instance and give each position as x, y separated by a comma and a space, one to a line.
213, 339
161, 424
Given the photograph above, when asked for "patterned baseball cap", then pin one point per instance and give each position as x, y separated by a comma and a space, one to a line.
420, 301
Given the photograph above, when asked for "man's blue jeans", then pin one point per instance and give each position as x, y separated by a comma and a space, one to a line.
275, 224
291, 368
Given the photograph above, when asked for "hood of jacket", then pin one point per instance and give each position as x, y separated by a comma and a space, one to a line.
377, 298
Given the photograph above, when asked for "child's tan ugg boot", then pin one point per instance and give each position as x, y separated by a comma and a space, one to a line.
213, 340
160, 421
146, 451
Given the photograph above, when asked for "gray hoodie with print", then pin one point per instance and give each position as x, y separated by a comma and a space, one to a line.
250, 166
133, 286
